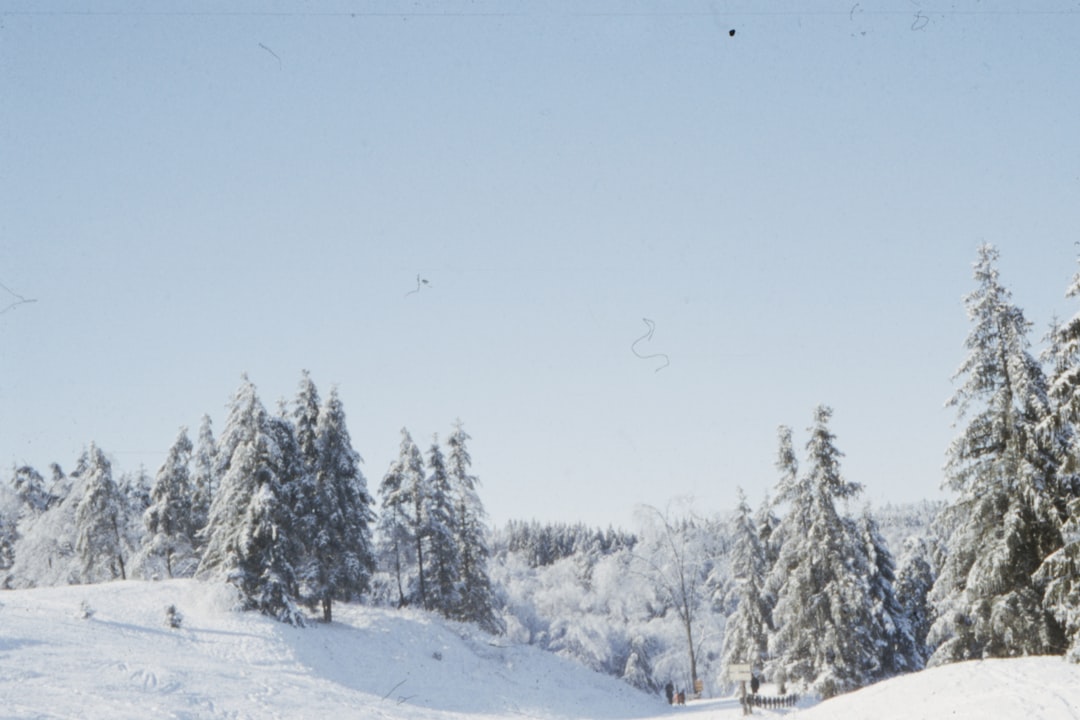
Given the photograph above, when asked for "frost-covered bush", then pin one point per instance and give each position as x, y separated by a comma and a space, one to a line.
599, 604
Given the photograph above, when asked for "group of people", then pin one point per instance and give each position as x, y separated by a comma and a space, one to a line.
766, 701
674, 698
747, 701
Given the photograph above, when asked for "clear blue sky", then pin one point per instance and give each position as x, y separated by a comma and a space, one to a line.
195, 190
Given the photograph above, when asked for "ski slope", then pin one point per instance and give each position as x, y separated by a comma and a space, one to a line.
124, 661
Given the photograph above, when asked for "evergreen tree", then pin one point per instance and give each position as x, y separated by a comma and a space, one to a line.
59, 484
638, 670
820, 594
170, 530
204, 477
29, 486
306, 419
44, 550
891, 630
414, 484
766, 522
295, 491
396, 523
914, 580
341, 558
134, 488
1059, 574
437, 528
476, 600
746, 632
99, 517
1003, 468
247, 533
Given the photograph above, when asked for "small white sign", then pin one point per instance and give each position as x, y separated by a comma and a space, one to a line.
740, 672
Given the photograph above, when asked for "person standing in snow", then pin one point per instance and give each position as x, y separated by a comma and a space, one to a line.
669, 690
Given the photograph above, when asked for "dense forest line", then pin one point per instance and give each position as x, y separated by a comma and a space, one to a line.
805, 587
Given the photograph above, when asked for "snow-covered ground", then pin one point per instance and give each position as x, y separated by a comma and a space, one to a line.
123, 661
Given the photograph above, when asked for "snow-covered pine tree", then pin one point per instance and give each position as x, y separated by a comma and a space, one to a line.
296, 483
476, 599
29, 486
820, 594
99, 520
203, 477
59, 484
795, 522
790, 489
306, 420
414, 483
135, 489
1059, 573
637, 670
765, 523
891, 631
914, 579
1003, 468
340, 554
746, 637
438, 530
12, 507
396, 539
44, 551
168, 543
247, 539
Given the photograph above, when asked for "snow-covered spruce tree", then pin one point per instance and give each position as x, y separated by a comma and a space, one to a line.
914, 579
820, 639
29, 486
891, 630
1003, 468
247, 535
437, 525
746, 637
12, 507
396, 526
99, 518
295, 486
795, 494
765, 523
638, 670
340, 553
415, 483
306, 419
168, 545
203, 476
1060, 572
45, 543
475, 596
134, 487
1060, 575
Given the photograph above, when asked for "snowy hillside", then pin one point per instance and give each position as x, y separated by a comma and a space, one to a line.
124, 661
1042, 688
